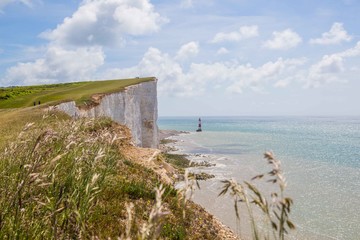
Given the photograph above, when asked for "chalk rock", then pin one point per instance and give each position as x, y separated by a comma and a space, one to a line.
135, 107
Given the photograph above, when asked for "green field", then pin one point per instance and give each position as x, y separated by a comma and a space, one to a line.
80, 92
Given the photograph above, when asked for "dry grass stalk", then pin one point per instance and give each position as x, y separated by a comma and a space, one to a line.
151, 229
50, 179
276, 212
129, 219
187, 191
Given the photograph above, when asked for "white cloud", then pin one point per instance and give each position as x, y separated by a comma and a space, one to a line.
187, 3
75, 49
236, 77
283, 40
243, 33
4, 3
222, 51
188, 50
161, 65
352, 52
336, 35
193, 3
325, 71
106, 23
282, 83
200, 77
57, 64
329, 68
253, 78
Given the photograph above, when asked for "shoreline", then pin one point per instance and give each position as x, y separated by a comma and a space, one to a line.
165, 137
222, 208
244, 165
164, 134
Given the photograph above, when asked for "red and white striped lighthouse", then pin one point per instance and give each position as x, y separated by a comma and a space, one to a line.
199, 126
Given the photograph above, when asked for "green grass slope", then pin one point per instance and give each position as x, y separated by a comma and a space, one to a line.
80, 92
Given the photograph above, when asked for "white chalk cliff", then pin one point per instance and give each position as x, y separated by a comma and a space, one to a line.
135, 107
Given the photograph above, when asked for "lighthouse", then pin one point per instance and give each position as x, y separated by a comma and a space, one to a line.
199, 126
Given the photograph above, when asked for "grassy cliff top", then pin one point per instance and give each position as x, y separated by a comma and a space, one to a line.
80, 92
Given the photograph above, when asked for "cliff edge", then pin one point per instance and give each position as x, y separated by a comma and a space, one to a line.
135, 107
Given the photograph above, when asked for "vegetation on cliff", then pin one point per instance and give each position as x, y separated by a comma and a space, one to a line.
63, 178
80, 92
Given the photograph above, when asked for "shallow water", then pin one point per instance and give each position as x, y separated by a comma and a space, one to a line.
320, 158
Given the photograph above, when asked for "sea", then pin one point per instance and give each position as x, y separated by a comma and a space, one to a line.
320, 158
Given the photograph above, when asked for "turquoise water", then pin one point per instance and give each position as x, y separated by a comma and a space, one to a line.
320, 157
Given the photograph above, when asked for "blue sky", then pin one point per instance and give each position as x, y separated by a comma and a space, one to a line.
211, 57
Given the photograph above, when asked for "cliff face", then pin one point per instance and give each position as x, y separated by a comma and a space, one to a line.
135, 107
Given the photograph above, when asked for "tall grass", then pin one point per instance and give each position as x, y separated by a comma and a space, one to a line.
275, 208
50, 179
67, 179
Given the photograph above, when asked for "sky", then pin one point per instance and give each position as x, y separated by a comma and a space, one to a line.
211, 57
